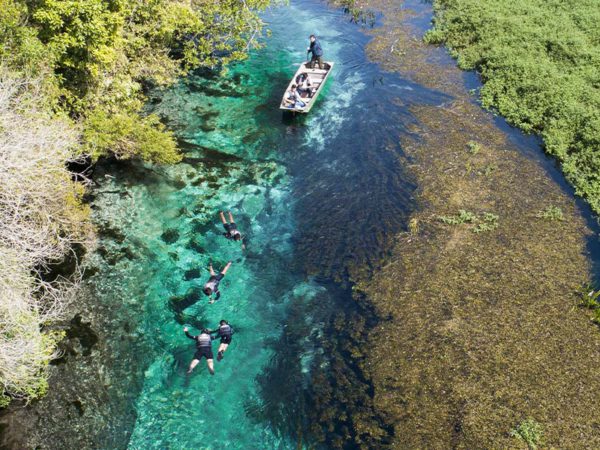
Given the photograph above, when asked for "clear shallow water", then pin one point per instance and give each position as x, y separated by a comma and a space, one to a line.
317, 196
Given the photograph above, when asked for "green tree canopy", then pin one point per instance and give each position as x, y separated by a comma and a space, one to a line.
100, 55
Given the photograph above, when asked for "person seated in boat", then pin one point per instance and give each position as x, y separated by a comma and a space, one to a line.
224, 331
212, 285
231, 231
292, 98
317, 52
203, 349
304, 85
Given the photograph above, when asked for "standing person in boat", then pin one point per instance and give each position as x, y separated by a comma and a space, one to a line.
203, 349
292, 98
212, 285
317, 52
225, 331
231, 231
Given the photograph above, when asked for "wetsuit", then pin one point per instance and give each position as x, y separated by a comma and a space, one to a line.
231, 230
203, 345
225, 332
213, 284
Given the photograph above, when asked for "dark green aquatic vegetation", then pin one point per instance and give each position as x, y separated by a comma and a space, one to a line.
193, 244
170, 236
191, 274
539, 61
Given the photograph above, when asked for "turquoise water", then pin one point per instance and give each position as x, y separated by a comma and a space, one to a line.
315, 195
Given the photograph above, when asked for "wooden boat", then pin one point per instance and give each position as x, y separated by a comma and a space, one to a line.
317, 78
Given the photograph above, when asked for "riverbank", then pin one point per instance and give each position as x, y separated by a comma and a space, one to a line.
539, 64
481, 318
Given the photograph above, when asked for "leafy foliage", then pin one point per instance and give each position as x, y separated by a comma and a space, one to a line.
474, 147
551, 213
42, 216
463, 217
530, 432
486, 222
590, 299
99, 57
540, 64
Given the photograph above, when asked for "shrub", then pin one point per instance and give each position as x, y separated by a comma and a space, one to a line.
41, 216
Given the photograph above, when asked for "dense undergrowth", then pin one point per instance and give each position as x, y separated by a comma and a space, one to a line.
540, 64
73, 77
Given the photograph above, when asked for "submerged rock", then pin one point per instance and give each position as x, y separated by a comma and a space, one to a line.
170, 236
191, 274
83, 332
193, 244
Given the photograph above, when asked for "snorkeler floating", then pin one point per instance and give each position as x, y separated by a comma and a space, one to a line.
231, 231
203, 349
212, 285
225, 331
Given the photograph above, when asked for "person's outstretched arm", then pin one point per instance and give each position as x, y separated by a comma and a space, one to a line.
222, 216
226, 268
187, 333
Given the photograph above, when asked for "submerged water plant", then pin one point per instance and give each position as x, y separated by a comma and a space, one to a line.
462, 217
590, 299
551, 213
486, 222
530, 432
474, 147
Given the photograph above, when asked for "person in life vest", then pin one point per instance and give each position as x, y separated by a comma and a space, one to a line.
305, 87
203, 349
293, 99
317, 52
231, 231
212, 285
224, 331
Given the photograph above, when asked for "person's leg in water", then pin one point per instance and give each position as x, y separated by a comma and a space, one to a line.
225, 269
193, 364
222, 216
211, 366
231, 218
222, 349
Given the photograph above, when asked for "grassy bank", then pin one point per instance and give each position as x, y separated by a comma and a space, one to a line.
540, 64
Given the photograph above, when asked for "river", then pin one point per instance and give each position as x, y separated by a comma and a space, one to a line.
320, 199
314, 195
